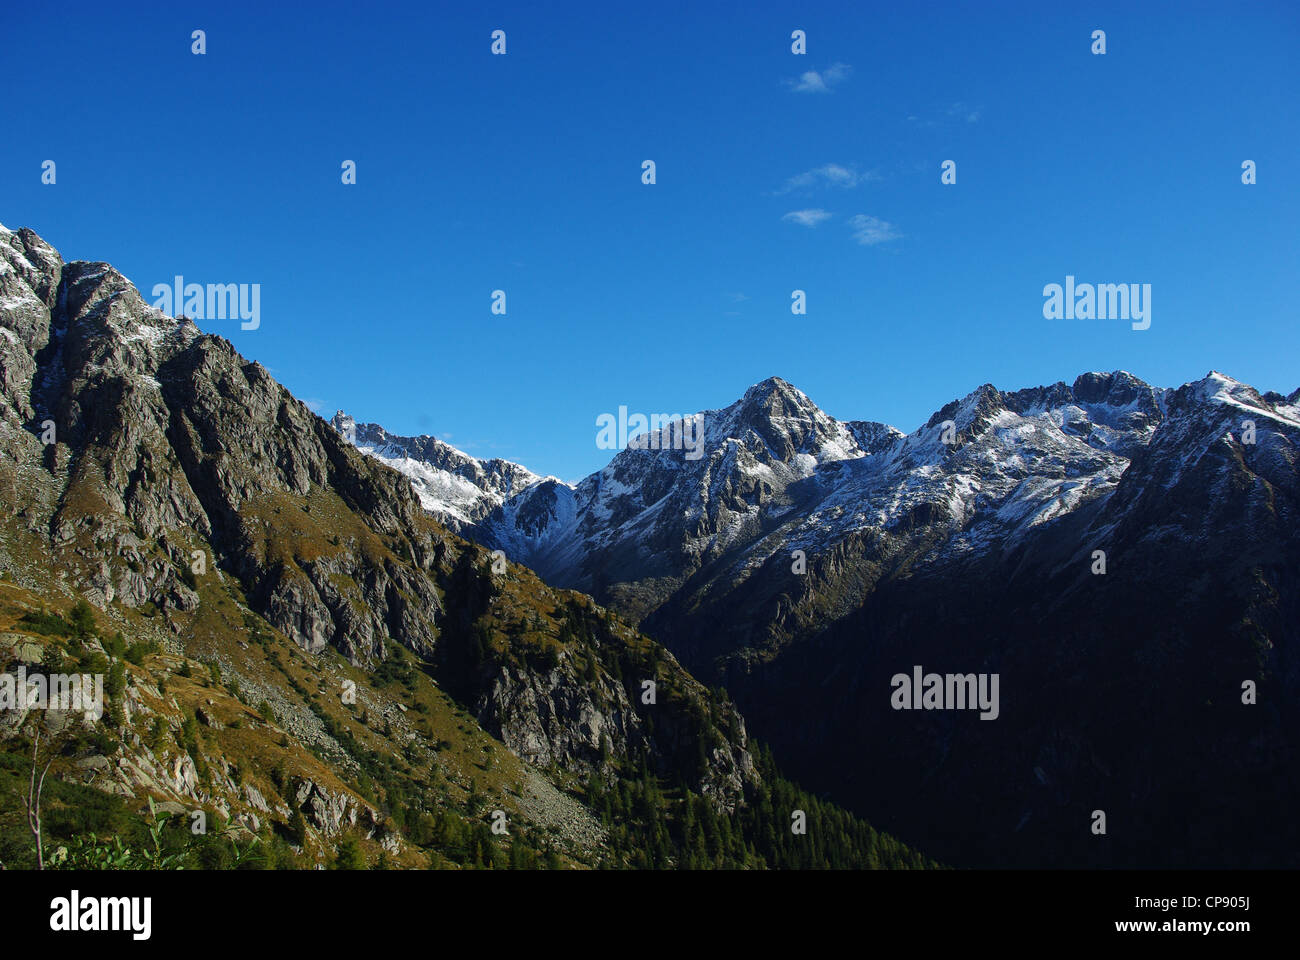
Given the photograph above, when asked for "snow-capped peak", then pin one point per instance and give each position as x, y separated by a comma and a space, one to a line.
775, 472
458, 488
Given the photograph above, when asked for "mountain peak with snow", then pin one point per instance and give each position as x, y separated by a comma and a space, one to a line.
457, 488
773, 468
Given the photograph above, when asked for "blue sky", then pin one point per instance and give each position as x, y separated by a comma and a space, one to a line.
523, 173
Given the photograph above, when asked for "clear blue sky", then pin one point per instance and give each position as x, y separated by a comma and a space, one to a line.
523, 172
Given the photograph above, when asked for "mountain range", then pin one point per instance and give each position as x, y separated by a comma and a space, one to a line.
1123, 558
1124, 555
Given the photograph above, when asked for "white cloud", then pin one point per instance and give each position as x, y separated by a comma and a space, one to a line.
957, 113
870, 231
827, 175
807, 218
813, 82
837, 72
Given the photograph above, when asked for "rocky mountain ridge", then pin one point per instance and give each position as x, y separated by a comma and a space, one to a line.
780, 475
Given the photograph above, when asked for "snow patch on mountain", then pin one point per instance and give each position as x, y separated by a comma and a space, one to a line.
455, 487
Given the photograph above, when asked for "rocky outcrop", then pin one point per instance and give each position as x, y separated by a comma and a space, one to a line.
329, 811
548, 718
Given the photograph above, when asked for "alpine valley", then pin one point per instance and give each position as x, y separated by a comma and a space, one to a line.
307, 634
1125, 558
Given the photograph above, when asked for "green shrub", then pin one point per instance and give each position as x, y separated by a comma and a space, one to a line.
114, 646
45, 623
81, 619
138, 651
157, 731
349, 855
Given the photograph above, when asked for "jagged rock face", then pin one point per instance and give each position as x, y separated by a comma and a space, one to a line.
170, 449
29, 278
545, 718
163, 433
329, 811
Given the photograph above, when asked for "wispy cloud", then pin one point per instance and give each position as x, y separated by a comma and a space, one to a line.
827, 175
737, 297
870, 231
812, 81
807, 218
314, 405
956, 113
